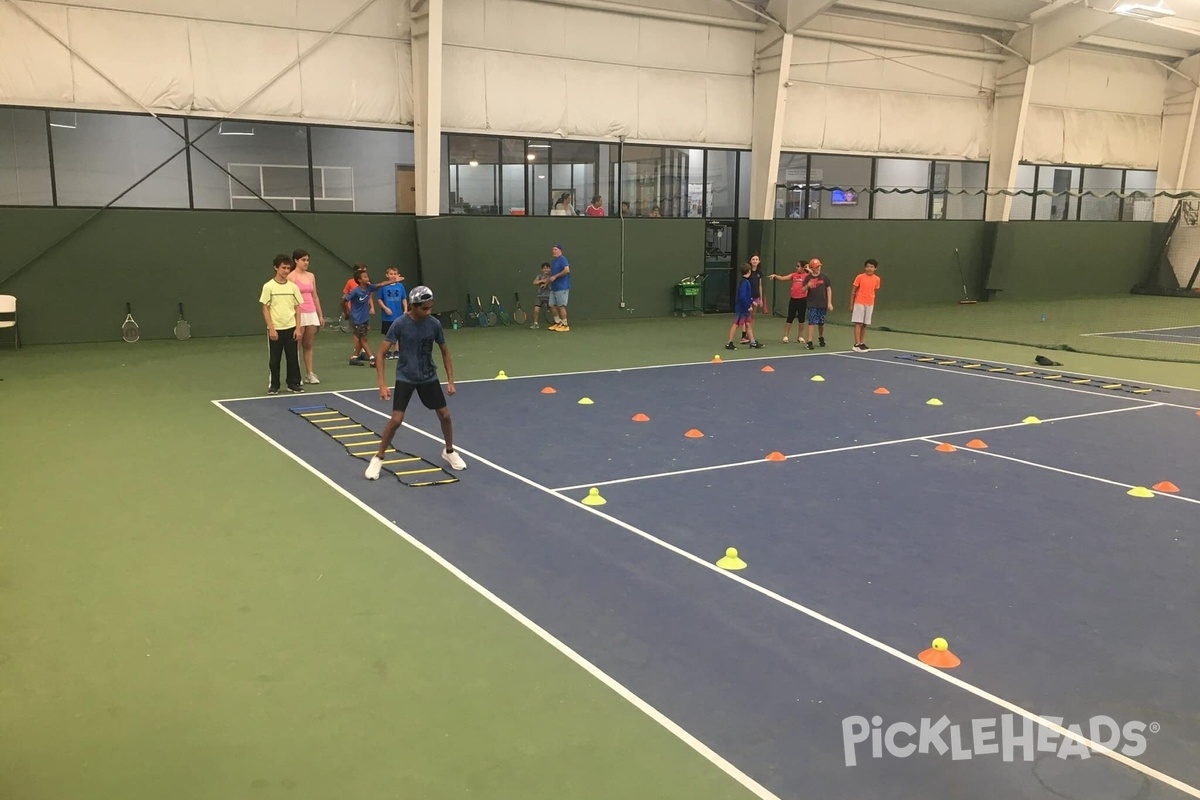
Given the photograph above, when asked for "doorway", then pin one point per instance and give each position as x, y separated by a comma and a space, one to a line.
720, 273
406, 189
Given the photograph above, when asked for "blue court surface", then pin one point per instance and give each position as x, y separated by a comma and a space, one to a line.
1186, 334
1071, 603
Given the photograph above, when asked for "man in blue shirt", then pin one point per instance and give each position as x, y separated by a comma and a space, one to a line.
560, 285
415, 333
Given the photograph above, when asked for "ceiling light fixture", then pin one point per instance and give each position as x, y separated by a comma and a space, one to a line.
1143, 10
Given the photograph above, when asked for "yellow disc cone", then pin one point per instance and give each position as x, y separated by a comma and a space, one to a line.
594, 498
933, 401
816, 378
1140, 491
501, 376
1032, 421
586, 401
731, 560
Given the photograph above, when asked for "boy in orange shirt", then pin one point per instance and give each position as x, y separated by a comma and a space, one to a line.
862, 301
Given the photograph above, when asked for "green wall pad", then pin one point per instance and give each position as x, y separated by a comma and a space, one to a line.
1022, 372
362, 442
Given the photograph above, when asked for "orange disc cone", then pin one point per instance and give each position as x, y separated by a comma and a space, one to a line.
977, 444
549, 390
1165, 486
694, 434
768, 368
945, 447
776, 456
939, 655
882, 390
640, 418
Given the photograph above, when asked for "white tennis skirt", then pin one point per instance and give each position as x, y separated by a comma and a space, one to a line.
309, 318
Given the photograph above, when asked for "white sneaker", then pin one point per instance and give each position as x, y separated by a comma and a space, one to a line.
454, 460
373, 468
312, 378
785, 339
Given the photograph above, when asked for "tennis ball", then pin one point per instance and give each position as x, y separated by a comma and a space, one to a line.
940, 644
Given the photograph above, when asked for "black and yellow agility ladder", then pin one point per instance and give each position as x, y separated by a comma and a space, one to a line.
362, 442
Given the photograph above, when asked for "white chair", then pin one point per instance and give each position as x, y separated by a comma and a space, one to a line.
8, 317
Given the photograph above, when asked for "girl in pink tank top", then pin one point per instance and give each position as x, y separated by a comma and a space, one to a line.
310, 310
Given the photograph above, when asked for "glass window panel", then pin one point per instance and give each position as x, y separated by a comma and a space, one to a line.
1022, 205
512, 176
363, 166
1052, 202
574, 173
656, 180
231, 161
958, 188
721, 184
839, 187
1139, 195
743, 209
902, 173
1106, 205
105, 154
537, 159
474, 168
24, 158
791, 187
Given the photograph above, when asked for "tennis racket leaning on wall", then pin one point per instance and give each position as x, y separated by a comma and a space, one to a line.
183, 328
486, 319
130, 331
519, 315
499, 311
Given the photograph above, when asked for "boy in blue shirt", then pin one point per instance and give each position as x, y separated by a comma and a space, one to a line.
741, 311
393, 299
359, 299
415, 333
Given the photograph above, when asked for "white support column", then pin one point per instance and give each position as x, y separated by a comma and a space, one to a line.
427, 104
1178, 156
1014, 78
770, 102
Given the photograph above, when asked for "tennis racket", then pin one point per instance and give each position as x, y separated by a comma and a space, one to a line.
130, 331
456, 319
519, 315
472, 314
499, 311
183, 328
485, 319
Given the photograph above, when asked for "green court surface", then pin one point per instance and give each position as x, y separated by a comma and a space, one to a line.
188, 613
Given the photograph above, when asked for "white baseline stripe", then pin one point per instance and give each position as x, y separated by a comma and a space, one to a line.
728, 768
1040, 382
934, 440
1142, 330
907, 659
848, 448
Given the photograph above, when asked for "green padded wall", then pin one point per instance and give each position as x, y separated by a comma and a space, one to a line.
214, 262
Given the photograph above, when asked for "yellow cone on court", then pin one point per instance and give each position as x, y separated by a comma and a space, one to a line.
586, 401
731, 560
1140, 491
816, 378
593, 498
717, 359
1032, 421
933, 401
501, 376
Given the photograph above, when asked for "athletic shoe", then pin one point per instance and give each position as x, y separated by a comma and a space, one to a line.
296, 389
808, 345
756, 345
272, 391
312, 378
454, 460
821, 341
561, 329
785, 340
373, 468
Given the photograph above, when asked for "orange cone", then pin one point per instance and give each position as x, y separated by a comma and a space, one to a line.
882, 390
768, 368
977, 444
945, 447
939, 655
549, 390
717, 359
1165, 486
776, 456
640, 418
694, 434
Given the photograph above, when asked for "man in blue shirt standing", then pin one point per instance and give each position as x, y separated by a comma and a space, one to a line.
560, 285
415, 333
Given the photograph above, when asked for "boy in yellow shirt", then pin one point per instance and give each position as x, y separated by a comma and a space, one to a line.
281, 300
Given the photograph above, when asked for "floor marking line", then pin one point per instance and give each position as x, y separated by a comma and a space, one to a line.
816, 615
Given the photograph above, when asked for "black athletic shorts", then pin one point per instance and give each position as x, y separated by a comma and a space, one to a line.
796, 309
430, 394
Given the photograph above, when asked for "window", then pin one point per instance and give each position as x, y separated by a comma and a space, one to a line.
721, 184
24, 158
1105, 184
232, 161
902, 173
958, 188
1053, 201
655, 180
1139, 195
474, 163
513, 179
839, 187
791, 187
1022, 204
361, 170
99, 157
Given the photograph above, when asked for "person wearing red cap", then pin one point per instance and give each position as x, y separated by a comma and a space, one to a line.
820, 301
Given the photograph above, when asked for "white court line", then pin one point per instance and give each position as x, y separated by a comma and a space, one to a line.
1142, 330
547, 375
1030, 381
907, 659
715, 758
936, 440
848, 448
1160, 337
